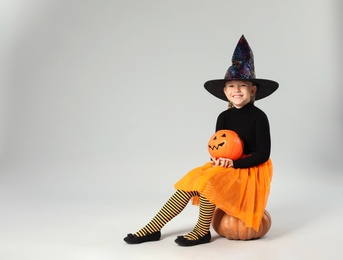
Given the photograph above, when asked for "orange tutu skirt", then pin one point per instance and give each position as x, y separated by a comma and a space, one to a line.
242, 193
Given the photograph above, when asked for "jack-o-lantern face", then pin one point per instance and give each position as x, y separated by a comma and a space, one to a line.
225, 144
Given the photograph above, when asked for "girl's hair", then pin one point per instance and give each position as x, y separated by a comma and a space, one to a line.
230, 105
252, 100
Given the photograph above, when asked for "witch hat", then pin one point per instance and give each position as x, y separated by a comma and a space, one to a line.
242, 68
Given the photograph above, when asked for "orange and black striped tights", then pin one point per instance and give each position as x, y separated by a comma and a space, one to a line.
173, 207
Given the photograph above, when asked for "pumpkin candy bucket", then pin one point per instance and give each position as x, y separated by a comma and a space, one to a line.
225, 144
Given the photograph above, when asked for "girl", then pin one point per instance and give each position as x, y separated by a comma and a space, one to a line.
240, 187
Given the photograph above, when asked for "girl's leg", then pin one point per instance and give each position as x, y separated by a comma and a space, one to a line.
171, 209
151, 232
200, 234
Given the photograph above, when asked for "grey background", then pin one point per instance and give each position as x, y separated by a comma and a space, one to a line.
103, 109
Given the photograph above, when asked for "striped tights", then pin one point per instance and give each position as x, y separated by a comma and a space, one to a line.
173, 207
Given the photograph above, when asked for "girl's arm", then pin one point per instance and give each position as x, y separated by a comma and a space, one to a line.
261, 152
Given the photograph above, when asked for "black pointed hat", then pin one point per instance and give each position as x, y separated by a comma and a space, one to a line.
242, 68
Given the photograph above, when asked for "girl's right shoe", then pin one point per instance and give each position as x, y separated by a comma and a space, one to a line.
182, 241
133, 239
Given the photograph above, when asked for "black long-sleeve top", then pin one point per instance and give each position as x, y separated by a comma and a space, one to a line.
252, 126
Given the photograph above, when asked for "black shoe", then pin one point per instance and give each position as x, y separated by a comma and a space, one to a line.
182, 241
133, 239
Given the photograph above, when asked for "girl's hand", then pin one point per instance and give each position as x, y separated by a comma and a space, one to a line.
224, 162
214, 161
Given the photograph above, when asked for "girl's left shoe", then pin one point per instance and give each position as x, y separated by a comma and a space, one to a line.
133, 239
182, 241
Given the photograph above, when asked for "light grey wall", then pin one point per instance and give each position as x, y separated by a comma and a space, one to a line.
100, 96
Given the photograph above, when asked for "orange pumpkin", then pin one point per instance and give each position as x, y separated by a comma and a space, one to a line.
234, 229
225, 144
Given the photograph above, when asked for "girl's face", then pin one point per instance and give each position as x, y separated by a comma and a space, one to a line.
239, 93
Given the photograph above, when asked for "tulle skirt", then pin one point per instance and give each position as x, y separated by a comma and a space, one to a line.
242, 193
